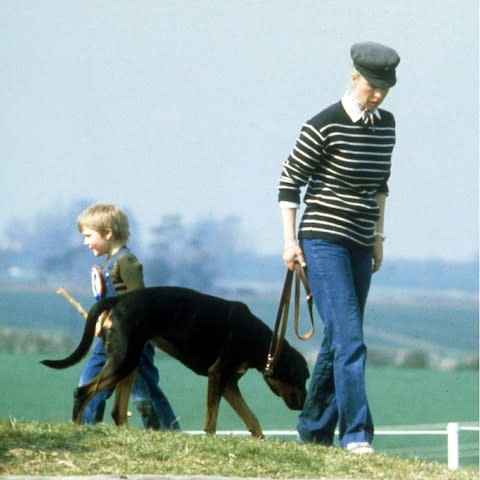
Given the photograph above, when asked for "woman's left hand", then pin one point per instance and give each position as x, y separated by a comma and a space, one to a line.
377, 254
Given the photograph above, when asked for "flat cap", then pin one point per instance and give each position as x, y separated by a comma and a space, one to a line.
375, 62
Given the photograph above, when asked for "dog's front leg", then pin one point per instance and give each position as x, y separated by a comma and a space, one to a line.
234, 397
122, 396
214, 393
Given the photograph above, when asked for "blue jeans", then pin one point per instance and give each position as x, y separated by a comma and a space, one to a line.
339, 276
154, 408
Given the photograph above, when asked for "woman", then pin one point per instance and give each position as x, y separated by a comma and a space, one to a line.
343, 157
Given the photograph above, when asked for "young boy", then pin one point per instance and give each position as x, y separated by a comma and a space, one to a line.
105, 230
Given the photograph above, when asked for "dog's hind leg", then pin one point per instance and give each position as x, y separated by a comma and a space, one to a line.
214, 394
105, 380
122, 396
81, 396
234, 397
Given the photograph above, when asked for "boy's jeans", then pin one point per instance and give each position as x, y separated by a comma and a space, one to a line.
146, 393
339, 276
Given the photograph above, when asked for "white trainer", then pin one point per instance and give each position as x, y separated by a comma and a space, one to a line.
360, 447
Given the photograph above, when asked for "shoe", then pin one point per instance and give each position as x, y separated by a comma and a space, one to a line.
148, 415
360, 448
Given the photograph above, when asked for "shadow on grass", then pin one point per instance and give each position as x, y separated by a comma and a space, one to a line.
33, 436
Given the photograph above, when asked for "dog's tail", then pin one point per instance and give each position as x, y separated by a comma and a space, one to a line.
87, 338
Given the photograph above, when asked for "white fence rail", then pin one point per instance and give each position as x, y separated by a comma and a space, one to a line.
451, 431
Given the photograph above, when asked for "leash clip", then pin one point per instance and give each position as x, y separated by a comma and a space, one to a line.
268, 371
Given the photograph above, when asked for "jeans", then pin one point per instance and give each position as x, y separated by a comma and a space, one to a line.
154, 408
339, 277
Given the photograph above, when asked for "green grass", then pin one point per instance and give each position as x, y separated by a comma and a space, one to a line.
32, 448
398, 397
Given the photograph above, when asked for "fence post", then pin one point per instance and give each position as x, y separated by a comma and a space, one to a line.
452, 432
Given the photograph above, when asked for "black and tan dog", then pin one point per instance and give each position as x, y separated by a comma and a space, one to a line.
212, 336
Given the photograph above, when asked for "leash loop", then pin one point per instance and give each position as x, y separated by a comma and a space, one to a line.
282, 315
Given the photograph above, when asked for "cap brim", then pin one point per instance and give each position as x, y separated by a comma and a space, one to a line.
377, 81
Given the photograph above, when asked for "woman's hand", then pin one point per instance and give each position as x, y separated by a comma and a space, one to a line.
291, 253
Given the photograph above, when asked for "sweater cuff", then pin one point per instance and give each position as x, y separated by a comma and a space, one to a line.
286, 204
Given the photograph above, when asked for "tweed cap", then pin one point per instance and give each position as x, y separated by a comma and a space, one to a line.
375, 62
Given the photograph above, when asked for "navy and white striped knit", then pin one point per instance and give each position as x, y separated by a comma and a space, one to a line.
345, 165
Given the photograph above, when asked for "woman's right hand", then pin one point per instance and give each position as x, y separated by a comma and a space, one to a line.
291, 253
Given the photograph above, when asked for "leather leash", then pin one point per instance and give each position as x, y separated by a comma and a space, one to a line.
281, 321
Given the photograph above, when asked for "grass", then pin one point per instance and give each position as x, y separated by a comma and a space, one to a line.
31, 448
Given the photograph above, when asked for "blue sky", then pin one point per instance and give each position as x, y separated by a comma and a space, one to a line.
191, 107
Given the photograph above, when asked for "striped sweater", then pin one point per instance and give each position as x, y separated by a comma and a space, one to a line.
345, 164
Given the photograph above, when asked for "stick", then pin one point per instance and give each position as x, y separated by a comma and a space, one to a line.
73, 302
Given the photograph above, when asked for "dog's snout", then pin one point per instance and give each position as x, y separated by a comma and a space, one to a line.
296, 400
292, 395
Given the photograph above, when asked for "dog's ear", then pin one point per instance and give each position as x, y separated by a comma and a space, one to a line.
104, 322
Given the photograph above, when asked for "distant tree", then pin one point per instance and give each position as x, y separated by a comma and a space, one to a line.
50, 233
49, 246
192, 256
416, 358
168, 240
35, 249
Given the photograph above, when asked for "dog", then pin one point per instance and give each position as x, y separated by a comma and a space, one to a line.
217, 338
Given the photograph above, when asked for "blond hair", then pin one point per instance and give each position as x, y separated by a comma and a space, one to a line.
104, 216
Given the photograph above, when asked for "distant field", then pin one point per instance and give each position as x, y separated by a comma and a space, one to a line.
398, 397
444, 331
